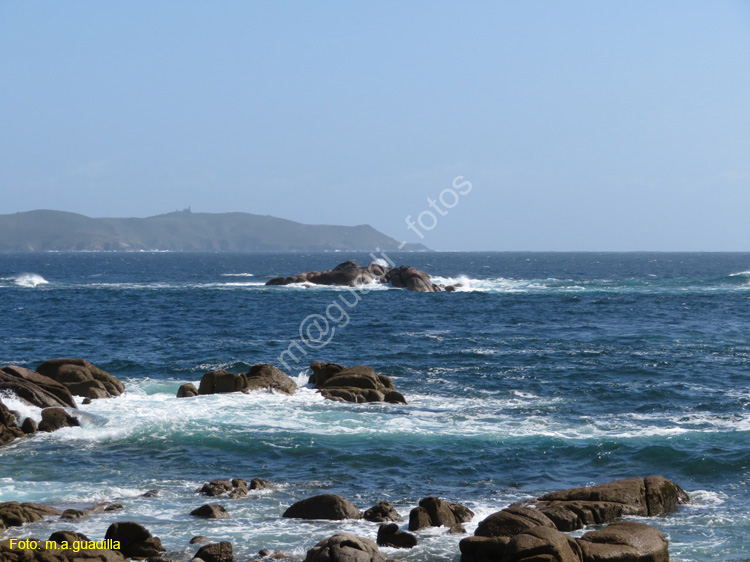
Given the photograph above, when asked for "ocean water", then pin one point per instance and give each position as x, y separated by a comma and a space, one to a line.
543, 372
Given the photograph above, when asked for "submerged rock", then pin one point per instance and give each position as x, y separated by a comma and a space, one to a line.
259, 377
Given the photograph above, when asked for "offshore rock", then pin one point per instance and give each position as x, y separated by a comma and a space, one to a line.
382, 512
56, 418
261, 376
34, 388
324, 506
433, 512
353, 384
343, 547
390, 535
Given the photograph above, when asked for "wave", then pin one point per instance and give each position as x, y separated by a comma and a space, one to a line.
238, 275
29, 280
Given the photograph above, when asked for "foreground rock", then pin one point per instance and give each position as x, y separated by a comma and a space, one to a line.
351, 274
324, 506
533, 530
35, 388
9, 429
56, 418
433, 512
216, 552
261, 376
390, 535
82, 378
353, 384
343, 547
14, 514
135, 540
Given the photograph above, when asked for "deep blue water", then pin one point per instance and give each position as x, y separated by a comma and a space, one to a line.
546, 371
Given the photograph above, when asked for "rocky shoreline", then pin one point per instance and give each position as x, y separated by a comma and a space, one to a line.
533, 530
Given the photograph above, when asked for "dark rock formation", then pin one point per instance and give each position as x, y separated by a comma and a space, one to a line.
14, 514
384, 511
73, 514
343, 547
624, 540
353, 384
483, 549
390, 535
433, 512
261, 376
210, 511
236, 487
8, 428
56, 418
43, 554
67, 536
265, 376
351, 274
34, 388
324, 506
511, 521
82, 378
28, 426
135, 540
199, 539
216, 552
543, 543
187, 390
216, 488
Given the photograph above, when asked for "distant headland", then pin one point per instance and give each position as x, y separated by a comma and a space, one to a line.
185, 231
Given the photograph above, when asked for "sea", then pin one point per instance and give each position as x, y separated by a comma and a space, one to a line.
543, 371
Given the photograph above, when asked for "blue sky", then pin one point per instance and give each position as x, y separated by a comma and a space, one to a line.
580, 125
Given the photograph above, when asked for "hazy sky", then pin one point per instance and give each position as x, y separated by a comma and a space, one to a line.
581, 125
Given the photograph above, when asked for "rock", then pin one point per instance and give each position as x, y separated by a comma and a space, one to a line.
114, 507
351, 274
216, 488
542, 543
216, 552
483, 549
67, 536
28, 426
343, 547
433, 512
240, 488
199, 539
56, 418
187, 390
73, 514
135, 540
575, 508
353, 384
263, 375
211, 511
82, 378
42, 554
624, 541
150, 494
324, 506
35, 388
411, 279
260, 484
384, 511
390, 535
215, 382
14, 514
512, 521
8, 428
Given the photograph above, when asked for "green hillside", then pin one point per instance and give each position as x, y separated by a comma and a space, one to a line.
40, 231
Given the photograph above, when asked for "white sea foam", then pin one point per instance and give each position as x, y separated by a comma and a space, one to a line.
238, 275
30, 280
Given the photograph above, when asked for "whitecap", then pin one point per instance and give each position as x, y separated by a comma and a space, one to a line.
30, 280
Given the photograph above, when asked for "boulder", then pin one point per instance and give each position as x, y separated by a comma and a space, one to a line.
8, 428
384, 511
187, 390
343, 547
56, 418
433, 512
198, 539
216, 552
353, 384
265, 376
216, 382
542, 544
412, 279
43, 554
483, 549
210, 511
624, 541
34, 388
260, 484
28, 426
324, 506
216, 487
14, 514
82, 378
663, 496
512, 521
73, 514
390, 535
135, 540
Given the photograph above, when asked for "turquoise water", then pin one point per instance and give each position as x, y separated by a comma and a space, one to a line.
545, 371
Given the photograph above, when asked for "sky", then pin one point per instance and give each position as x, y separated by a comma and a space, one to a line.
580, 126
